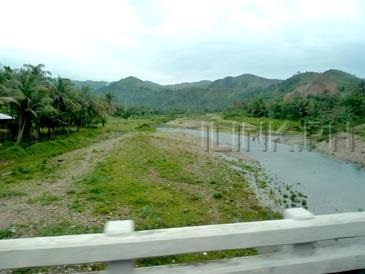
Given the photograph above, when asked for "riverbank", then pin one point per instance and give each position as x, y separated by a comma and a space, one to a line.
345, 149
298, 177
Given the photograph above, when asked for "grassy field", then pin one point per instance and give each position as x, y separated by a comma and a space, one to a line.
159, 180
30, 162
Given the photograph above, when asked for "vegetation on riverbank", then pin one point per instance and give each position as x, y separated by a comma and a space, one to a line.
327, 112
29, 162
157, 179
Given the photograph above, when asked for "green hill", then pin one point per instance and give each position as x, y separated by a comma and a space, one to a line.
94, 85
200, 84
314, 83
203, 95
222, 93
243, 82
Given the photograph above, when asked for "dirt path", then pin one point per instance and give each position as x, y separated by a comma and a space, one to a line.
46, 201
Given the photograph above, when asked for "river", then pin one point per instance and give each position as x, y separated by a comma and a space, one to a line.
331, 185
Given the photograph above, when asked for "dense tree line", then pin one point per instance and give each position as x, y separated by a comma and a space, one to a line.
46, 106
327, 107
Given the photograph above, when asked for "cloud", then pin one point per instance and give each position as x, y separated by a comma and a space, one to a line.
173, 41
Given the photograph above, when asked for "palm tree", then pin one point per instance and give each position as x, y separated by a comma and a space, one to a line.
38, 101
109, 99
29, 94
64, 100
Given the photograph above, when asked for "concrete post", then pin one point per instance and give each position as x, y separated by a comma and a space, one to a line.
118, 228
298, 214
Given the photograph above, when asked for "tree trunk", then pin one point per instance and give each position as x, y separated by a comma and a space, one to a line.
20, 130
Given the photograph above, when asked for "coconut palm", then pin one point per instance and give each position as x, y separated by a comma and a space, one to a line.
64, 100
30, 96
110, 98
38, 102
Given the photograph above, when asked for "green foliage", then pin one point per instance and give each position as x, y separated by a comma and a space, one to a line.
45, 106
48, 148
317, 112
187, 97
257, 108
10, 193
18, 164
5, 233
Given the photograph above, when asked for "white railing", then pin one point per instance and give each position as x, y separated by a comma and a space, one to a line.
308, 244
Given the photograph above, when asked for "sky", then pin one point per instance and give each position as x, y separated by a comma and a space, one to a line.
172, 41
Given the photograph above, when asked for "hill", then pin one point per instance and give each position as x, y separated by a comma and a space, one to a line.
94, 85
243, 82
222, 93
314, 83
203, 95
200, 84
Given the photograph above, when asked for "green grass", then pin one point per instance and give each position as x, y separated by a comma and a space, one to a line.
5, 233
66, 228
44, 199
158, 183
11, 193
152, 179
19, 164
148, 180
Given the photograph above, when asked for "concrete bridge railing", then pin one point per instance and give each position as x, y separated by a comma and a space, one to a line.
307, 244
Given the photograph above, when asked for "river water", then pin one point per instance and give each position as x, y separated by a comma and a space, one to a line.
331, 185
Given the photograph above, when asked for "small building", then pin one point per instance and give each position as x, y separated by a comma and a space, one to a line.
5, 120
5, 117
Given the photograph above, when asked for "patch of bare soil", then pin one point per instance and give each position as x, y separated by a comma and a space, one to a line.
46, 201
345, 147
185, 123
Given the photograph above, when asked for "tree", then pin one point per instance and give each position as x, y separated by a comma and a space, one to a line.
38, 101
64, 100
298, 108
30, 96
257, 108
92, 108
361, 88
123, 112
110, 99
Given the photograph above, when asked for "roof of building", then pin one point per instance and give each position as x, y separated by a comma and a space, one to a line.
5, 117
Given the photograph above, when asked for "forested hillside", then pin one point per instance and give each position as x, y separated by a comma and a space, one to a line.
224, 93
194, 96
333, 97
94, 85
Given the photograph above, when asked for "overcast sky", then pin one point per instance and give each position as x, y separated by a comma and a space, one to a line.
170, 41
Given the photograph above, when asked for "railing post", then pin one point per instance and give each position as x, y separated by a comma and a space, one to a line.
118, 228
298, 214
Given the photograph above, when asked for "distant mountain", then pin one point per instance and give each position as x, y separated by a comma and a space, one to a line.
200, 84
202, 95
94, 85
243, 82
132, 84
314, 83
222, 93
